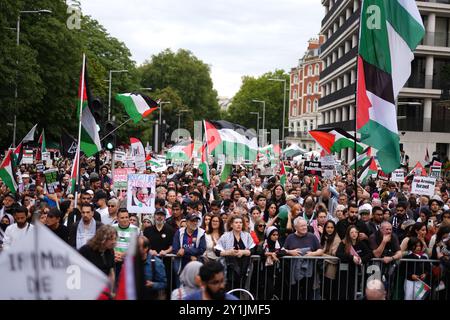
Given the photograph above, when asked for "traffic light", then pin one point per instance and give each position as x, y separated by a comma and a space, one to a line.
109, 142
97, 110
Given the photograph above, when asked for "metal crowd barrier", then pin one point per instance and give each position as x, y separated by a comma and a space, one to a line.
310, 278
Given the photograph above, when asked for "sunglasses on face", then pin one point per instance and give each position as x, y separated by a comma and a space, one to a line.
261, 225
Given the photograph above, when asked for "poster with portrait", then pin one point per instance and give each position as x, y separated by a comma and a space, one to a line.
141, 193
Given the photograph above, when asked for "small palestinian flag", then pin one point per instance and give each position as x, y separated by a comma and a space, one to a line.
150, 161
418, 170
335, 139
182, 151
367, 170
74, 173
361, 159
282, 174
7, 172
138, 106
204, 166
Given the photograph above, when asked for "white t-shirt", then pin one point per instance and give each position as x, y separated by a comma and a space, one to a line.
13, 233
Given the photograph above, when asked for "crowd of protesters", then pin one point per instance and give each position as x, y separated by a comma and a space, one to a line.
300, 240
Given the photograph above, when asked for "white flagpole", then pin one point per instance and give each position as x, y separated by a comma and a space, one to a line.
82, 84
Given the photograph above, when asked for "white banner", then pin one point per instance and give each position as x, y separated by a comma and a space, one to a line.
423, 185
141, 193
62, 274
27, 157
119, 156
46, 157
398, 175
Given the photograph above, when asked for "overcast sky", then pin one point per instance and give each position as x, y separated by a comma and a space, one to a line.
234, 37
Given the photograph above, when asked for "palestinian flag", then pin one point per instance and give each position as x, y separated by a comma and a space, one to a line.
131, 280
18, 154
418, 170
335, 139
230, 139
420, 290
74, 174
369, 168
7, 172
226, 172
182, 151
204, 166
149, 160
361, 159
390, 32
42, 146
282, 174
90, 140
427, 156
138, 106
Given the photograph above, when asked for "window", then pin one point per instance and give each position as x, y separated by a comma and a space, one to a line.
309, 90
317, 69
294, 110
310, 70
316, 105
295, 93
316, 87
308, 106
295, 79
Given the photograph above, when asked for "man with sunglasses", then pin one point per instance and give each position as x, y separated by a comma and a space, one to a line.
111, 217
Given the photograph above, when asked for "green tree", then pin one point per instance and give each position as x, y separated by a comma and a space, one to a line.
259, 89
188, 76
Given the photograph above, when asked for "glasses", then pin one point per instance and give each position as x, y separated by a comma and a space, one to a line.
111, 206
70, 198
261, 225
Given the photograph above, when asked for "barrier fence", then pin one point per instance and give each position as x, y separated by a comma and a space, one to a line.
325, 278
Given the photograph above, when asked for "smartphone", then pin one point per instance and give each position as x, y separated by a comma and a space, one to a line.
430, 222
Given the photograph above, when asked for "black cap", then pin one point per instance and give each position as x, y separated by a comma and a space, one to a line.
11, 195
192, 217
160, 211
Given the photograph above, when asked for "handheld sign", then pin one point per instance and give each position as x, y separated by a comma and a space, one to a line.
120, 179
141, 193
313, 168
51, 179
423, 185
435, 172
42, 266
398, 175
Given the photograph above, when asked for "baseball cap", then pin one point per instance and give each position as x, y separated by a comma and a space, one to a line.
146, 217
365, 208
192, 217
90, 192
160, 211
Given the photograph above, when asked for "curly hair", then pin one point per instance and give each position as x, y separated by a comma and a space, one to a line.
104, 233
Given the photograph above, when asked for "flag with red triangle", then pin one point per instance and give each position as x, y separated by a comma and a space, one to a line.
74, 173
282, 174
418, 170
369, 168
7, 172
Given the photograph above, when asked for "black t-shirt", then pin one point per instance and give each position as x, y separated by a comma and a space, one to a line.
102, 260
62, 232
391, 247
342, 226
160, 240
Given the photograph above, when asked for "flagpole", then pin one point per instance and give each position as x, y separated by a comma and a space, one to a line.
77, 154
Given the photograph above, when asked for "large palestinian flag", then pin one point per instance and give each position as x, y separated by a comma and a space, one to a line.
182, 151
232, 140
137, 106
7, 172
90, 140
390, 31
335, 139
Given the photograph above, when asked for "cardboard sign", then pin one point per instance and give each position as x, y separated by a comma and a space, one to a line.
55, 271
423, 186
40, 167
141, 193
120, 179
398, 175
313, 168
51, 180
27, 157
435, 172
328, 165
119, 156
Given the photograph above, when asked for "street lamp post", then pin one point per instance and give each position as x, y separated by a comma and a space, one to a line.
17, 63
284, 108
263, 117
179, 122
161, 103
109, 91
257, 122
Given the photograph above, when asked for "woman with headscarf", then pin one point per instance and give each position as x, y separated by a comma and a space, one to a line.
6, 220
189, 281
272, 251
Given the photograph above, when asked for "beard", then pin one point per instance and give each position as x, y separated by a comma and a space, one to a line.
218, 295
353, 219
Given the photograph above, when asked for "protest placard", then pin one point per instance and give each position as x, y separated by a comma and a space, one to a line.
313, 168
27, 157
120, 179
51, 180
423, 185
141, 193
46, 157
435, 172
398, 175
41, 266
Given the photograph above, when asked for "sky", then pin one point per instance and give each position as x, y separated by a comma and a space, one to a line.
234, 37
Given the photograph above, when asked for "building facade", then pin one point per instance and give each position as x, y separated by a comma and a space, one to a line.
304, 96
423, 120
